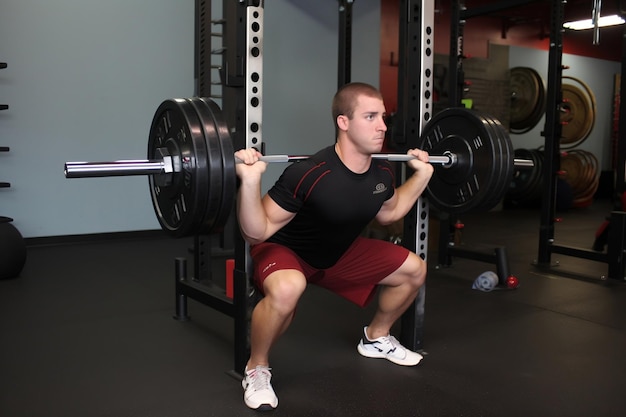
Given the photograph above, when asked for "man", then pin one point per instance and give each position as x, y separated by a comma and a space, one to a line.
307, 228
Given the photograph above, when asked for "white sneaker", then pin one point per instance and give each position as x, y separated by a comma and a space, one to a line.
387, 347
259, 394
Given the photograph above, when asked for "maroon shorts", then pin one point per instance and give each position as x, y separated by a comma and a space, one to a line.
355, 276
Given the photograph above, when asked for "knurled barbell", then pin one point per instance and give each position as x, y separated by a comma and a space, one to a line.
191, 164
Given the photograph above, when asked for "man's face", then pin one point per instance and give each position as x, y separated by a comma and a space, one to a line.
367, 127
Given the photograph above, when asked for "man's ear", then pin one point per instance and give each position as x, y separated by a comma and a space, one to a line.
342, 122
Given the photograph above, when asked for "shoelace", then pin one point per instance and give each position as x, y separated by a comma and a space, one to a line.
260, 378
393, 342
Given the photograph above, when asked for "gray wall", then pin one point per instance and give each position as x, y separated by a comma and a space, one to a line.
300, 67
84, 79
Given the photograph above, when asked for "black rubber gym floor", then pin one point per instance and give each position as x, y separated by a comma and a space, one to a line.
87, 330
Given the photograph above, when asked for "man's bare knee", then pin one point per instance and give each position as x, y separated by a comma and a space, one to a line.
283, 290
412, 273
418, 275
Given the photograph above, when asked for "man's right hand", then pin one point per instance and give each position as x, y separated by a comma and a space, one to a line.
248, 166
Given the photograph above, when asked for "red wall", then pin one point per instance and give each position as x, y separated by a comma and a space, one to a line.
480, 31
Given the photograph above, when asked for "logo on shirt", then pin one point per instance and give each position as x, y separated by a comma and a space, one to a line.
269, 266
380, 188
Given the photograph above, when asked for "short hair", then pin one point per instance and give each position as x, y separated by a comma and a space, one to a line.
345, 99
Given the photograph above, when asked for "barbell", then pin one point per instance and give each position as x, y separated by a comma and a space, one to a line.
165, 165
192, 177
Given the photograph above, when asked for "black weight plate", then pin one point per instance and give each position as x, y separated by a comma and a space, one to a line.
465, 186
504, 170
487, 203
507, 158
179, 205
209, 222
229, 174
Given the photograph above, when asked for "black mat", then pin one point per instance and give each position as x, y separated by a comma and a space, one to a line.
87, 330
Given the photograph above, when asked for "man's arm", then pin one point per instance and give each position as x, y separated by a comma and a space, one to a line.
407, 194
259, 218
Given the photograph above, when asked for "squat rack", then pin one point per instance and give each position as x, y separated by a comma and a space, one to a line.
496, 255
615, 256
240, 69
237, 61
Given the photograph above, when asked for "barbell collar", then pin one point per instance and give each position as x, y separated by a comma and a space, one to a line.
117, 168
523, 163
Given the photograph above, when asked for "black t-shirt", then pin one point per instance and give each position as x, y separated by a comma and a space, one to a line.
333, 204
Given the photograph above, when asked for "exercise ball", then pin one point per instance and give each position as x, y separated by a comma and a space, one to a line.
12, 249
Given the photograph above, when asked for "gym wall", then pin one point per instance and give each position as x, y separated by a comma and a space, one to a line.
598, 74
84, 80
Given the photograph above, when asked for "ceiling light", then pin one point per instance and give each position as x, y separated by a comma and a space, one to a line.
587, 24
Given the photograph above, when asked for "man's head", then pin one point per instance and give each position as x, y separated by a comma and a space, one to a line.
359, 113
346, 98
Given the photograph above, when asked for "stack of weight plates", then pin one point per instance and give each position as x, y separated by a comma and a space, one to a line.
198, 196
479, 178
